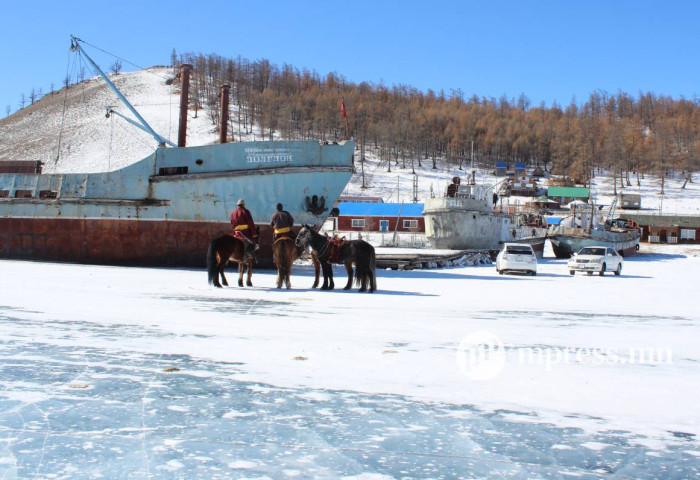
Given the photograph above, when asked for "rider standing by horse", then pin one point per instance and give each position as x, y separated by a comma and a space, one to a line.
282, 223
244, 227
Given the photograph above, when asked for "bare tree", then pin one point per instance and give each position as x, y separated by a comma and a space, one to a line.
116, 67
22, 101
32, 96
8, 109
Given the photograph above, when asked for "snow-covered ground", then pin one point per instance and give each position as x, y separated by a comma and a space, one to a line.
150, 373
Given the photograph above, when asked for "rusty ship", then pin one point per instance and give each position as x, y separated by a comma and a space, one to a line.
165, 209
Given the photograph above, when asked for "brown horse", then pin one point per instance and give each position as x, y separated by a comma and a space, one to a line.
221, 250
284, 252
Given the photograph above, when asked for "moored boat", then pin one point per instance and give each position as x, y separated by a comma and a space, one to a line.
582, 230
464, 219
620, 234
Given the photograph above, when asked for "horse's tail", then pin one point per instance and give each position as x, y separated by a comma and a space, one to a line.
365, 265
281, 256
373, 270
212, 262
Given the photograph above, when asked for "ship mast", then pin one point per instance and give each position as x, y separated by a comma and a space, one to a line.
74, 45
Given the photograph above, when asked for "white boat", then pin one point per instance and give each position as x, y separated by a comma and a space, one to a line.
464, 219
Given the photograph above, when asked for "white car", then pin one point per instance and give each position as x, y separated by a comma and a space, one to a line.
595, 260
516, 257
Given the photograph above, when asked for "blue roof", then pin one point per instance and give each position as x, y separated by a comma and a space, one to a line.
501, 164
380, 209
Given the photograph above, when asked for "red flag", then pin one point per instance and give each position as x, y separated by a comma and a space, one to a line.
342, 108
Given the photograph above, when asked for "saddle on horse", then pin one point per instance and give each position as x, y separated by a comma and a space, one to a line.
335, 243
250, 246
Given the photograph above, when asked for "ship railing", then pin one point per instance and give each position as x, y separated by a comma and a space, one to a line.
457, 202
387, 239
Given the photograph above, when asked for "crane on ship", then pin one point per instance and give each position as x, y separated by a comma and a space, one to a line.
140, 122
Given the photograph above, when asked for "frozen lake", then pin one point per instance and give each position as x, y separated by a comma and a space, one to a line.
112, 372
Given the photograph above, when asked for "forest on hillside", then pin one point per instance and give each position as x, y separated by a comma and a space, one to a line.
409, 128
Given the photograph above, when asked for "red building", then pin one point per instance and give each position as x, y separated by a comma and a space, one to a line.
380, 217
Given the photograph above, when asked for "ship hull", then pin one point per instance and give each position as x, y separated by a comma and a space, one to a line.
537, 244
470, 224
163, 243
567, 241
166, 209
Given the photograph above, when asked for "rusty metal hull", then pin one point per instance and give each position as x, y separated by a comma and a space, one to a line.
117, 242
165, 209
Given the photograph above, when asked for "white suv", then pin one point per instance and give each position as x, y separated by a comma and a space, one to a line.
595, 260
516, 257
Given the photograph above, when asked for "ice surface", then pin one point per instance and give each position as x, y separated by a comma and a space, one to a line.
138, 417
111, 372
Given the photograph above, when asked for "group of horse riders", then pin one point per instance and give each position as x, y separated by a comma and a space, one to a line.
244, 227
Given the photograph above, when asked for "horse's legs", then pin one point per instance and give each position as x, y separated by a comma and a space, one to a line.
327, 276
220, 273
348, 268
249, 280
241, 269
288, 272
362, 276
279, 279
279, 276
331, 285
317, 268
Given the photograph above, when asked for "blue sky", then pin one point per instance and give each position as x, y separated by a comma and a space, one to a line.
550, 50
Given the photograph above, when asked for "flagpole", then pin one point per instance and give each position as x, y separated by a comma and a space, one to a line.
343, 113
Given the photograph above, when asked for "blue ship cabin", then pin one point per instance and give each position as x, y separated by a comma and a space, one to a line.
381, 217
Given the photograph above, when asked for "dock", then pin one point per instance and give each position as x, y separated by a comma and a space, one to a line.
412, 259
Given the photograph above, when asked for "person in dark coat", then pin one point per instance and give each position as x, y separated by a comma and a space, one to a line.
282, 223
243, 225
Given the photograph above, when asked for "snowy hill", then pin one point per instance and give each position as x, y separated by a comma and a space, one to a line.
69, 132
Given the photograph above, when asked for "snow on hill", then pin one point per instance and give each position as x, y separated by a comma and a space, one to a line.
69, 132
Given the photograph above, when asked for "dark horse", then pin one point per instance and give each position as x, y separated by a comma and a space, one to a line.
221, 250
284, 252
349, 252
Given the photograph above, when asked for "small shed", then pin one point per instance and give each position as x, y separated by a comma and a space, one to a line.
543, 202
520, 168
568, 194
381, 217
538, 172
501, 169
631, 201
